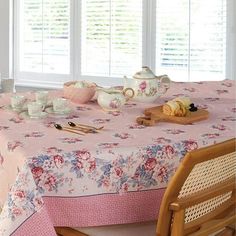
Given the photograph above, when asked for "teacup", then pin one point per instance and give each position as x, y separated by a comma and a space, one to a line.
7, 85
34, 109
17, 102
60, 105
41, 97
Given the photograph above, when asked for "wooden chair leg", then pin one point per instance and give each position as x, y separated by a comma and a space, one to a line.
66, 231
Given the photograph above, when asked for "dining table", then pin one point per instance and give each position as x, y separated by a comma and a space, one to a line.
117, 175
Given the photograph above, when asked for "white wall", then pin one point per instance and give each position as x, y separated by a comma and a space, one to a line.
5, 37
231, 41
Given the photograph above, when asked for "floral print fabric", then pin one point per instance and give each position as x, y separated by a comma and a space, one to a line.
36, 160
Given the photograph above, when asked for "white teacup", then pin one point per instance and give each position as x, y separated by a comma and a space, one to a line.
34, 109
17, 102
7, 85
41, 97
60, 105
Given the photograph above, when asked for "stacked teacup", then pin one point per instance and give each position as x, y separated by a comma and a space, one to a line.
35, 109
17, 102
60, 105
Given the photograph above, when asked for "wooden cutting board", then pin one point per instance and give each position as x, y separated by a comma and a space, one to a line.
155, 114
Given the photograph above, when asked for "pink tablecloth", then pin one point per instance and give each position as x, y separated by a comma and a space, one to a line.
54, 178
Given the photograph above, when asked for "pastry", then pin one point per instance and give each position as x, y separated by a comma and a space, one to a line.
177, 107
171, 108
184, 100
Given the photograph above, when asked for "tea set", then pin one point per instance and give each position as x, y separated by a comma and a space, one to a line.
143, 87
40, 107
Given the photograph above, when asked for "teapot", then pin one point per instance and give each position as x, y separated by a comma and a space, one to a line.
113, 99
146, 85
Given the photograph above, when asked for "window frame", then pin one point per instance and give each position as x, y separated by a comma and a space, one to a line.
44, 80
33, 79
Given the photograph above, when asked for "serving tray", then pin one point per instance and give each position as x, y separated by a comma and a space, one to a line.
155, 114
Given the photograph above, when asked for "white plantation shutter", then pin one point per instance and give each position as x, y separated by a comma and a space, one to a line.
44, 32
111, 37
103, 40
191, 39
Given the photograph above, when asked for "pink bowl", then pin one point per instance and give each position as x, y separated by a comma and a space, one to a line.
78, 95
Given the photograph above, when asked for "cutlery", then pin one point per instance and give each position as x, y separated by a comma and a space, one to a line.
82, 128
59, 127
72, 124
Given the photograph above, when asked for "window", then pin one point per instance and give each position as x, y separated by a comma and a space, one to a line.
111, 37
101, 41
191, 39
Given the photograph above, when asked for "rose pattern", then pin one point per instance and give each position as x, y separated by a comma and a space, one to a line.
174, 131
71, 140
115, 113
4, 127
137, 126
161, 140
115, 103
101, 121
219, 127
211, 136
123, 135
227, 83
108, 145
34, 135
16, 120
80, 108
229, 118
145, 91
130, 105
221, 91
143, 86
191, 90
1, 159
11, 146
110, 167
72, 116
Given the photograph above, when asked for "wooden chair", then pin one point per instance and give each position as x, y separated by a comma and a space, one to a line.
200, 199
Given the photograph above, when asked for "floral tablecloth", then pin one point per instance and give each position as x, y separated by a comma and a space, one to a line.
54, 178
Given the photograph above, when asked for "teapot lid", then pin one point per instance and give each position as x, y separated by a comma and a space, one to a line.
145, 73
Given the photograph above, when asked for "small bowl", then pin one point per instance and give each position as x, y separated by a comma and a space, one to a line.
79, 95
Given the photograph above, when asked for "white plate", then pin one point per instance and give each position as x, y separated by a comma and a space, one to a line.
25, 114
50, 110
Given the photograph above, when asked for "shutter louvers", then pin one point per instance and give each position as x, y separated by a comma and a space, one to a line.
45, 36
191, 39
111, 37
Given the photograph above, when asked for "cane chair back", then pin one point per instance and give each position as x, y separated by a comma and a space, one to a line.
200, 199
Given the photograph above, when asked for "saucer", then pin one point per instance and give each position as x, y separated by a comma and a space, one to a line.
25, 114
50, 110
17, 110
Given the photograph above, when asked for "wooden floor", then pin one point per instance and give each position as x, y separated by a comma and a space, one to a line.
147, 229
138, 229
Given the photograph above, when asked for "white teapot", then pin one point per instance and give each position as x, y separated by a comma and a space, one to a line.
146, 85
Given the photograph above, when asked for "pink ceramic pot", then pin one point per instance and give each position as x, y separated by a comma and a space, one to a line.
78, 95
